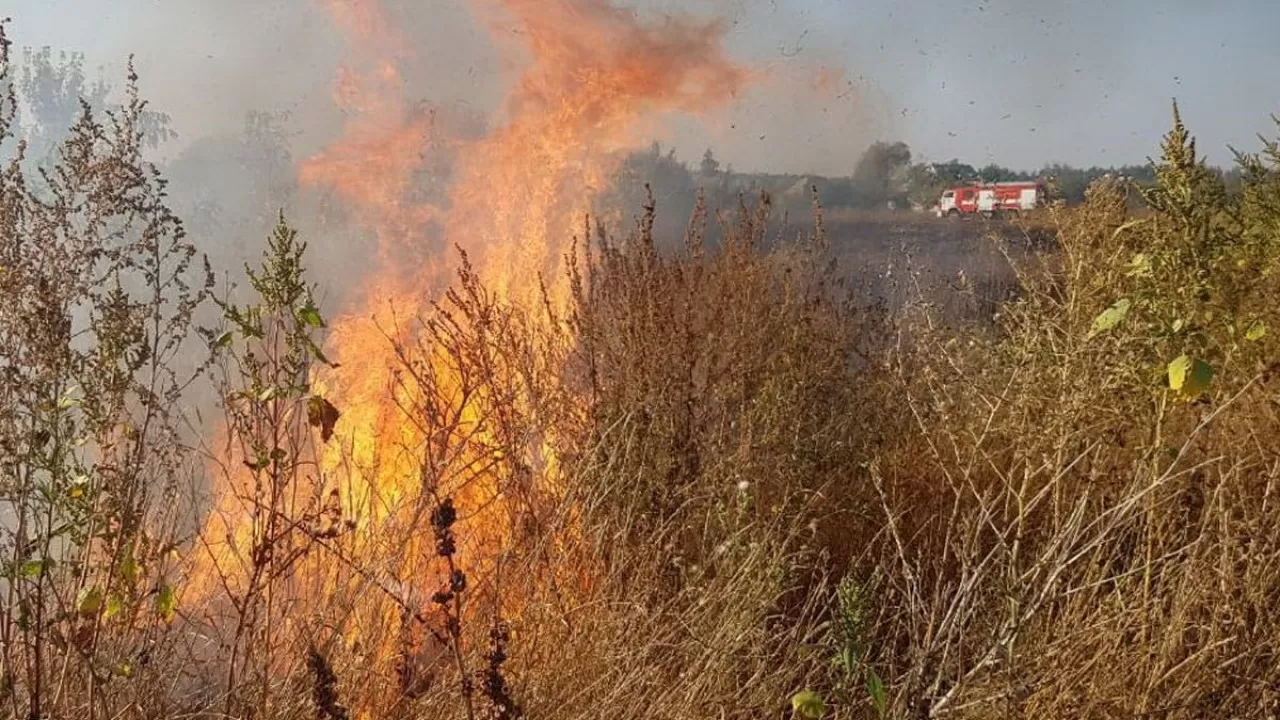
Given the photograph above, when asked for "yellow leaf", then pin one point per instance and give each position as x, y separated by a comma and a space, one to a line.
114, 606
1140, 266
68, 400
808, 704
78, 484
1189, 377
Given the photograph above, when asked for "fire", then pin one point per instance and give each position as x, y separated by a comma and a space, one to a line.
596, 81
597, 78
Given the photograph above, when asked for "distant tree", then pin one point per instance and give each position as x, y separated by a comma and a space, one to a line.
1141, 174
1233, 180
881, 174
53, 88
999, 173
953, 171
993, 173
924, 185
672, 183
710, 167
229, 188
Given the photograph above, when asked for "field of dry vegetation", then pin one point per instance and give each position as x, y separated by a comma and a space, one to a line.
718, 483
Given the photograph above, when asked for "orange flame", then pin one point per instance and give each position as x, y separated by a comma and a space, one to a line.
597, 80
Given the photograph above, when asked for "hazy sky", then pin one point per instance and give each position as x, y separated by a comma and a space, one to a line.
1019, 82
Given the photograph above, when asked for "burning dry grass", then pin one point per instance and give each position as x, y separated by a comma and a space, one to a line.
640, 487
443, 394
691, 484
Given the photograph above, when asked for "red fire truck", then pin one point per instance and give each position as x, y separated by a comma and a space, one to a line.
991, 199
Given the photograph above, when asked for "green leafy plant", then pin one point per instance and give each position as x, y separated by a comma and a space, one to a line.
857, 681
267, 353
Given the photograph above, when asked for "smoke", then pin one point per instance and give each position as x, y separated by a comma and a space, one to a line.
250, 86
209, 63
817, 104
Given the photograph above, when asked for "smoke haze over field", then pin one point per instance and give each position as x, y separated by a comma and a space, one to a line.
226, 58
1017, 83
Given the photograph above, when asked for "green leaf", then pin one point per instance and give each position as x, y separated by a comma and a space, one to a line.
808, 704
1189, 377
267, 394
847, 660
1110, 317
32, 568
310, 315
1256, 331
129, 568
166, 602
224, 340
89, 600
875, 688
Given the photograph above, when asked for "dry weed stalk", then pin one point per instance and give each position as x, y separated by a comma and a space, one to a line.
98, 286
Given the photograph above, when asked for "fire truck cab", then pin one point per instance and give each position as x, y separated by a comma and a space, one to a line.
958, 201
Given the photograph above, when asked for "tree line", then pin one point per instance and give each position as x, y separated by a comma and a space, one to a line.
886, 176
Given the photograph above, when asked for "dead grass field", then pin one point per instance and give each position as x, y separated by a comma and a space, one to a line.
971, 471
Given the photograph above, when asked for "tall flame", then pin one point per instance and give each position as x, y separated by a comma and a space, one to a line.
597, 80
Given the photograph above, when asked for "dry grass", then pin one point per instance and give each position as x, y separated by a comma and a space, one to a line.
983, 507
1063, 536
